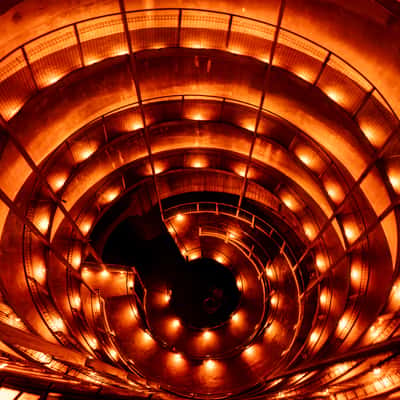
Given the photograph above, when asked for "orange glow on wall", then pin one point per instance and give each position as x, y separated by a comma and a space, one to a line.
180, 217
146, 338
341, 368
96, 305
314, 337
198, 163
85, 227
274, 300
304, 158
210, 365
92, 343
394, 178
250, 352
43, 222
76, 302
236, 318
113, 353
305, 75
207, 335
309, 231
8, 394
105, 273
57, 181
334, 95
40, 272
232, 235
76, 259
377, 371
219, 259
355, 274
111, 195
158, 168
320, 263
53, 79
91, 60
176, 361
166, 297
175, 324
57, 324
335, 192
198, 116
324, 297
395, 293
85, 153
194, 255
289, 202
136, 125
351, 232
342, 323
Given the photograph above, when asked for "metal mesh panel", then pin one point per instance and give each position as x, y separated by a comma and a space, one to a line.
102, 38
375, 120
204, 29
251, 38
53, 56
16, 84
299, 55
343, 84
153, 29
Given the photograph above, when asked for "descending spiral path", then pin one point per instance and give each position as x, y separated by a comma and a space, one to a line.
199, 202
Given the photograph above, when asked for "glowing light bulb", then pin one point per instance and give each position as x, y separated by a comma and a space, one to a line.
210, 365
167, 298
104, 273
207, 335
177, 357
274, 300
175, 323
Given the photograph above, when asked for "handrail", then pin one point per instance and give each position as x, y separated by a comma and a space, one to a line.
230, 15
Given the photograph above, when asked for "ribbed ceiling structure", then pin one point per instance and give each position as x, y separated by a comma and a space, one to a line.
199, 199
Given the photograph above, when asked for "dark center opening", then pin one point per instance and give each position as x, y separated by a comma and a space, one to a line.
205, 294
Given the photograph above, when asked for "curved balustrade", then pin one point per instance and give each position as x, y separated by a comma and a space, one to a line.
47, 58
